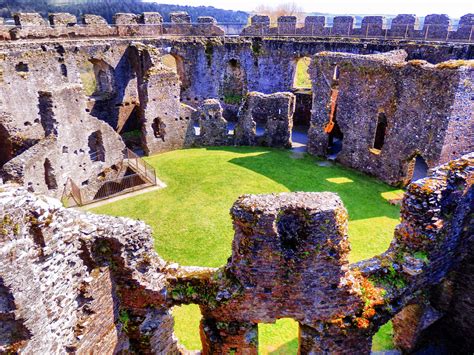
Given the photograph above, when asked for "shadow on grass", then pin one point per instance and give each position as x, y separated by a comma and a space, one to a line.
361, 194
290, 347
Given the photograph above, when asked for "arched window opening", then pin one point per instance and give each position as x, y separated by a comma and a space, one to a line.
419, 168
176, 64
96, 147
260, 117
233, 85
63, 69
301, 77
45, 105
197, 128
97, 78
49, 176
335, 75
158, 127
380, 131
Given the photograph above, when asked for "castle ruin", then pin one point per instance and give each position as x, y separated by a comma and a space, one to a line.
382, 100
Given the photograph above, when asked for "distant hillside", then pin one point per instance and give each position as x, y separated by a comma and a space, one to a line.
107, 8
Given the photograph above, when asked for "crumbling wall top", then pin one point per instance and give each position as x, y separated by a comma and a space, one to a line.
180, 17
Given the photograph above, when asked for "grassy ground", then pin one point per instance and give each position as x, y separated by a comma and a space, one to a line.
302, 79
192, 226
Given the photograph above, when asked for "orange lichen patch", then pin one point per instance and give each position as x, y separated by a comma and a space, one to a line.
330, 125
372, 296
417, 62
362, 323
408, 236
455, 64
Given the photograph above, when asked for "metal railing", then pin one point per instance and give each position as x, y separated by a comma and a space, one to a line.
144, 175
72, 195
97, 155
429, 32
119, 186
140, 166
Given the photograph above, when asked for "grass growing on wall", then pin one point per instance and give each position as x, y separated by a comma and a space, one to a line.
192, 225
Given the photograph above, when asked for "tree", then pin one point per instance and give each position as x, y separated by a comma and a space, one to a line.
282, 9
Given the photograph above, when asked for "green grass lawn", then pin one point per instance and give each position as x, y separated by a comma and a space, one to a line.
192, 226
302, 79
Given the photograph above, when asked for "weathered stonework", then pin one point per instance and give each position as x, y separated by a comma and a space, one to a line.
48, 135
275, 115
83, 268
212, 125
74, 282
425, 108
134, 91
436, 27
289, 259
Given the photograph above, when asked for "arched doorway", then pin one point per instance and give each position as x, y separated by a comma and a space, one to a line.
131, 129
301, 78
176, 64
233, 85
304, 101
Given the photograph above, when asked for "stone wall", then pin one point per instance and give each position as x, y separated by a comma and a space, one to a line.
424, 106
49, 135
436, 26
73, 281
66, 277
268, 65
266, 120
128, 86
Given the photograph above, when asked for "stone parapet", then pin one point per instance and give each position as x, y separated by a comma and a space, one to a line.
436, 27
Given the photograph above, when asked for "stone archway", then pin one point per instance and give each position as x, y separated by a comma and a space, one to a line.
233, 85
176, 64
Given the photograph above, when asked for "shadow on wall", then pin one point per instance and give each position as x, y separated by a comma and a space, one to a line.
351, 185
106, 86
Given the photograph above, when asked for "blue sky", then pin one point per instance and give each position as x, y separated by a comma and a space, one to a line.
454, 8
